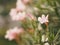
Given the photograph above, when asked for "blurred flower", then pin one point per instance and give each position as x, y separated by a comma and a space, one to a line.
21, 16
43, 19
46, 44
13, 33
44, 38
17, 15
20, 6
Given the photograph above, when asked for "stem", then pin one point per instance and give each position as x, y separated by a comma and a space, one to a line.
46, 29
18, 41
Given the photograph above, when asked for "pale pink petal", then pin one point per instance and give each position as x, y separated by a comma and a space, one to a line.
13, 12
47, 16
39, 18
20, 16
13, 17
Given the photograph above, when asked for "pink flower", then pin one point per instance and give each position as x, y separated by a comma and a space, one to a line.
20, 6
18, 13
43, 19
13, 33
20, 16
16, 16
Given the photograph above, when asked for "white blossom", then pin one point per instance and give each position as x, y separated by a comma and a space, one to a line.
43, 19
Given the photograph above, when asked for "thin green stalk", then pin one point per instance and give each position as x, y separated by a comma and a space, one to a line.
56, 37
